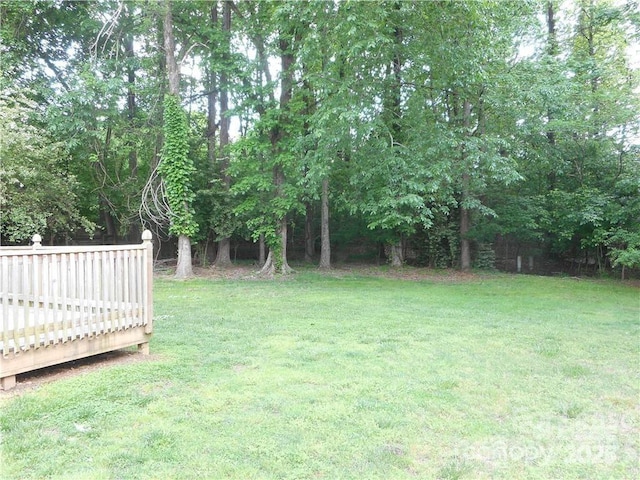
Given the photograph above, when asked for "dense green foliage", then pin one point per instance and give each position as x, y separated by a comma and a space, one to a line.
37, 192
365, 378
176, 168
437, 128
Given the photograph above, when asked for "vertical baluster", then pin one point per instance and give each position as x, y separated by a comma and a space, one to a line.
127, 293
67, 319
104, 291
8, 318
29, 329
117, 289
88, 270
49, 319
56, 301
140, 285
122, 324
81, 298
17, 298
97, 288
38, 325
73, 294
109, 282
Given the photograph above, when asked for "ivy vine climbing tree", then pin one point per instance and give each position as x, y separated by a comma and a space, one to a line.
176, 168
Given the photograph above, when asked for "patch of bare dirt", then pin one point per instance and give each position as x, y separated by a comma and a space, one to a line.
32, 380
241, 272
250, 272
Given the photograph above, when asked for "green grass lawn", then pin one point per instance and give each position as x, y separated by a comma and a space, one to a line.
352, 377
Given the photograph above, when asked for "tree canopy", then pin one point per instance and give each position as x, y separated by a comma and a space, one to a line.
431, 131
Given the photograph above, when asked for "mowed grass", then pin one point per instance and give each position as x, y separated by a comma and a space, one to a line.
352, 377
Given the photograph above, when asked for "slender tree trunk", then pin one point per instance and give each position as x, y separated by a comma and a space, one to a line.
309, 237
109, 221
131, 104
212, 125
552, 49
465, 224
325, 239
262, 251
395, 110
212, 97
100, 169
173, 69
161, 72
223, 258
134, 227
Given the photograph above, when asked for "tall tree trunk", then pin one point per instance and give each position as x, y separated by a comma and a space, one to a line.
223, 258
173, 69
395, 112
277, 258
106, 207
212, 97
309, 237
552, 40
276, 261
184, 268
223, 255
134, 228
325, 239
397, 255
212, 125
552, 49
161, 72
262, 251
277, 133
131, 104
465, 224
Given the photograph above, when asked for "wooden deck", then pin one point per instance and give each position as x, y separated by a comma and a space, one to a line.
59, 304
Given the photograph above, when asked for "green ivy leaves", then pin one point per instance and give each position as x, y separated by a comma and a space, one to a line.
177, 169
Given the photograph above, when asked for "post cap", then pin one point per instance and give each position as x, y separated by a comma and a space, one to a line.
147, 236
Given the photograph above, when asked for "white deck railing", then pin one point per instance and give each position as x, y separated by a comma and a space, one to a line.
51, 295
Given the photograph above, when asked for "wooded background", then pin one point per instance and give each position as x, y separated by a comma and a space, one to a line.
440, 133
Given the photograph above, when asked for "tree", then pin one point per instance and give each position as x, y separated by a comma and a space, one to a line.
176, 168
272, 139
223, 258
37, 193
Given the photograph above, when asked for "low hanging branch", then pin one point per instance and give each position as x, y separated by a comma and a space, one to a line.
154, 208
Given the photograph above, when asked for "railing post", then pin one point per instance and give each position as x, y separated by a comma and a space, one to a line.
148, 285
37, 241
